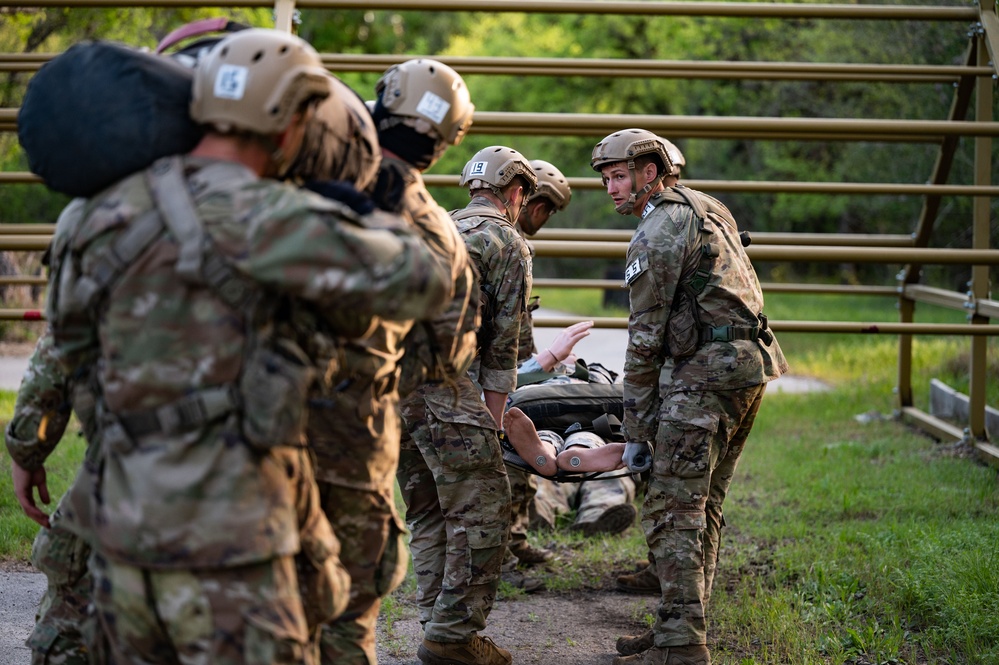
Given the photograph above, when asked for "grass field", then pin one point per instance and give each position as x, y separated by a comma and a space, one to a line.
850, 539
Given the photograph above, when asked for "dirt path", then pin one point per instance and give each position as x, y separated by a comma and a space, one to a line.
578, 628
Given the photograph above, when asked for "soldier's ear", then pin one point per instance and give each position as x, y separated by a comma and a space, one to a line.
651, 170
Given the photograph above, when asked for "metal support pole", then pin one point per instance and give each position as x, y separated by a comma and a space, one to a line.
979, 285
284, 11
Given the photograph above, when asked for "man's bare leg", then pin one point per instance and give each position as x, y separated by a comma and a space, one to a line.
588, 460
540, 455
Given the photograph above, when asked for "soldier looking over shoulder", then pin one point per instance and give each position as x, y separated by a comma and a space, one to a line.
697, 314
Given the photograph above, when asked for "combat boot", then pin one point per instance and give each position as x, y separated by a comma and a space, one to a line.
693, 654
519, 580
529, 555
645, 581
629, 645
613, 520
480, 651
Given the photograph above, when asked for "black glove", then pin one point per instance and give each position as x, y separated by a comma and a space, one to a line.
388, 188
344, 192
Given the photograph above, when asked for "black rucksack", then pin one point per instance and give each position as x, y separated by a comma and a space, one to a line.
102, 111
566, 407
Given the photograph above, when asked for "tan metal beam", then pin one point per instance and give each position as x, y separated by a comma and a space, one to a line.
768, 287
749, 186
937, 428
622, 7
618, 250
492, 122
607, 67
934, 296
782, 186
760, 238
845, 327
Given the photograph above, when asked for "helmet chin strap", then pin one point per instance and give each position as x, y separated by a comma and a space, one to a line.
508, 205
628, 207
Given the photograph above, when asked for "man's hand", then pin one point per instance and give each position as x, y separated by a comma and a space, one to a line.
637, 456
25, 483
561, 348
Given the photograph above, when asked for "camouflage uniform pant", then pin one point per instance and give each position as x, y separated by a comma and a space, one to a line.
373, 550
698, 445
247, 615
523, 488
589, 499
458, 511
65, 631
357, 454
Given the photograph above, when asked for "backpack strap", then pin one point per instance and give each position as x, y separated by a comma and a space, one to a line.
170, 194
196, 265
110, 266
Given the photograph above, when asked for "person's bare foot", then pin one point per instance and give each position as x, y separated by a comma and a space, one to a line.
589, 460
524, 437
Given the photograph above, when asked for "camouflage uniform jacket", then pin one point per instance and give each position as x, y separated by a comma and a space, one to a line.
42, 410
200, 496
503, 260
665, 251
393, 357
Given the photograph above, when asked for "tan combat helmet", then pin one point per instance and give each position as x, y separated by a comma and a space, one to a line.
495, 167
675, 156
255, 80
552, 185
428, 96
340, 141
625, 146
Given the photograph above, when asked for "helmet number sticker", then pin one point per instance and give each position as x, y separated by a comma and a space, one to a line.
477, 168
433, 107
230, 82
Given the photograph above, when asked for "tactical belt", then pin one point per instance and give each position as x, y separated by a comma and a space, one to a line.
183, 415
732, 333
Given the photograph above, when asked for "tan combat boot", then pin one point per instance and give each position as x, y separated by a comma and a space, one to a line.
694, 654
480, 651
529, 555
629, 645
644, 581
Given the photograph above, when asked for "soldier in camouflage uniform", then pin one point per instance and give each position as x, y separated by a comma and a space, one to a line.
553, 195
423, 107
455, 484
200, 387
65, 629
695, 298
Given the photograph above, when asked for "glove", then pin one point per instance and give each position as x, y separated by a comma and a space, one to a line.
637, 456
388, 188
561, 348
344, 192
